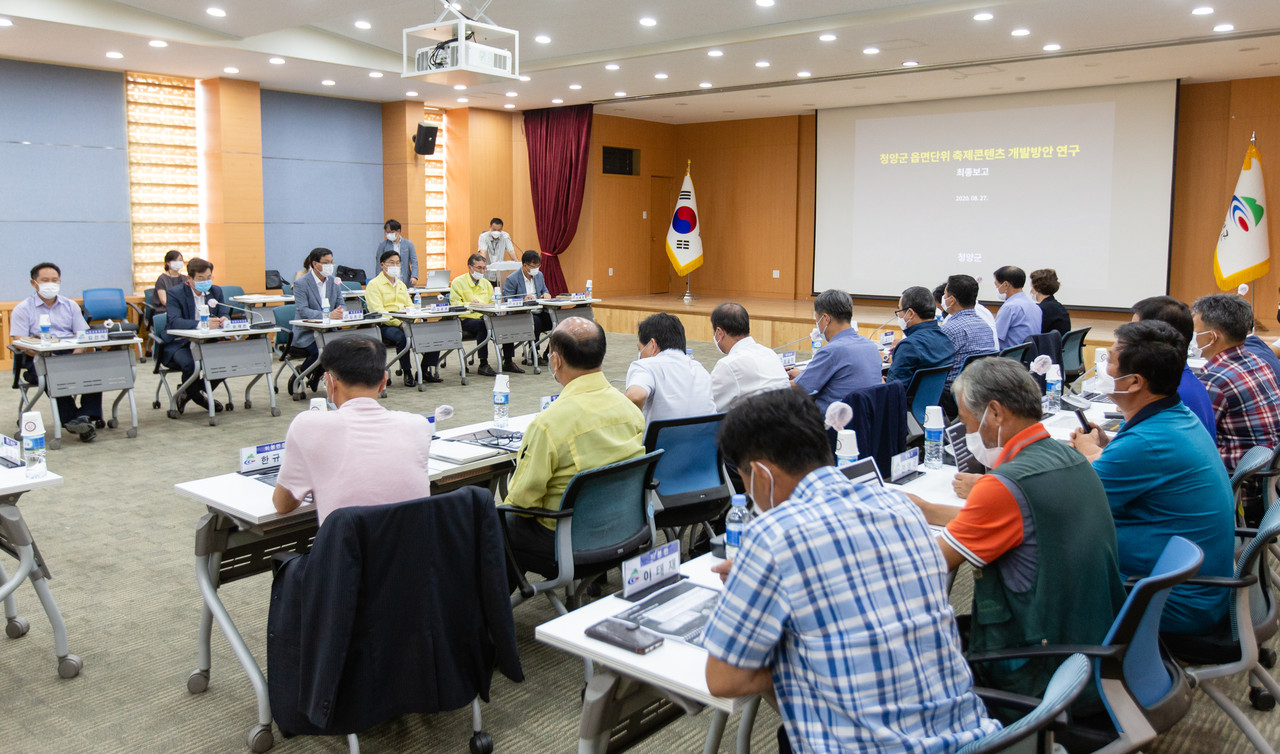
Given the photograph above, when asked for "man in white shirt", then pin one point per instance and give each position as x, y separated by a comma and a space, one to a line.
495, 244
747, 367
665, 382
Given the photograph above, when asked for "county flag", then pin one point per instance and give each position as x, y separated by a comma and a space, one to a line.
1243, 254
684, 239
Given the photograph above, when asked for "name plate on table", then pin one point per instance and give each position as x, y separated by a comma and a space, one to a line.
438, 308
257, 457
886, 339
904, 466
578, 297
651, 570
94, 335
547, 400
349, 316
235, 325
10, 452
788, 358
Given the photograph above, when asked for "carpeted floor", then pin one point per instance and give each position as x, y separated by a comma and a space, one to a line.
119, 543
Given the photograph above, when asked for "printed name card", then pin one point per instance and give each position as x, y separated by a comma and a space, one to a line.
788, 358
578, 297
11, 450
886, 338
904, 465
438, 308
547, 400
261, 456
236, 324
349, 315
650, 568
93, 335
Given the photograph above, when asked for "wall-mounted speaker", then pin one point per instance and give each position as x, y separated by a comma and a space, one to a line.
425, 140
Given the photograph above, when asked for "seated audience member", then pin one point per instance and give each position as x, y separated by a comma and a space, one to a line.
184, 314
1018, 316
1243, 391
403, 248
1162, 474
590, 425
747, 367
938, 292
337, 474
1190, 389
527, 286
968, 333
925, 345
795, 616
309, 292
1053, 316
386, 293
1037, 527
172, 277
65, 321
473, 288
665, 382
847, 362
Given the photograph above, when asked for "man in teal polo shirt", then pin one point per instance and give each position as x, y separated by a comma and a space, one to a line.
1162, 473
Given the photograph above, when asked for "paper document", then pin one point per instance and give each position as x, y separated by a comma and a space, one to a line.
679, 611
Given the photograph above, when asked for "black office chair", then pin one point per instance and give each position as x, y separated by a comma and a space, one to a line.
691, 485
1073, 354
924, 390
975, 356
1020, 353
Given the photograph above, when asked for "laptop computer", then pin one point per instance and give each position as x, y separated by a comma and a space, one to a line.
437, 279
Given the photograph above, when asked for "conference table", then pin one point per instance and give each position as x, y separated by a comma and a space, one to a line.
221, 354
334, 329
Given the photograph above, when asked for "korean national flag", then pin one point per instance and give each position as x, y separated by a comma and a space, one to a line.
684, 239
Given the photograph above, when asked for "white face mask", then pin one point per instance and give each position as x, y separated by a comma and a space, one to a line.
1194, 349
175, 266
974, 442
946, 305
326, 270
900, 322
477, 276
391, 236
1001, 295
49, 290
1106, 384
716, 340
756, 509
393, 272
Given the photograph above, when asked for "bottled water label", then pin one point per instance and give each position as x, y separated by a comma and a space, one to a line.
501, 399
933, 448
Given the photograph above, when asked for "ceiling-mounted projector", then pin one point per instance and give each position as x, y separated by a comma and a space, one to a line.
461, 50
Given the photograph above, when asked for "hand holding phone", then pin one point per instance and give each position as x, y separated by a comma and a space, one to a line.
1084, 423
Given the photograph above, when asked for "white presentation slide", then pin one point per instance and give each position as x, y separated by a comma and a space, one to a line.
1078, 180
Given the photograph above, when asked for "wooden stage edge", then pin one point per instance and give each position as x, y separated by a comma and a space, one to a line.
775, 322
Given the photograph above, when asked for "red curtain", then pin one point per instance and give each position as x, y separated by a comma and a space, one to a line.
559, 140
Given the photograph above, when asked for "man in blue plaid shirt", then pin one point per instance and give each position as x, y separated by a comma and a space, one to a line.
837, 600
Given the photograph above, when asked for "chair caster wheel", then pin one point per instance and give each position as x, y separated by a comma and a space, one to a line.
113, 423
173, 413
16, 628
299, 396
275, 412
247, 404
132, 433
481, 743
98, 423
155, 404
1266, 657
55, 444
1261, 699
198, 682
260, 738
69, 666
230, 406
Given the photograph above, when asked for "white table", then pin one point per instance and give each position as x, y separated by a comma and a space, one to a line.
563, 308
432, 332
106, 365
327, 330
505, 326
676, 668
16, 540
262, 299
222, 354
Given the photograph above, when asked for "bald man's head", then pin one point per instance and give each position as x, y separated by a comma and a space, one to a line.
580, 343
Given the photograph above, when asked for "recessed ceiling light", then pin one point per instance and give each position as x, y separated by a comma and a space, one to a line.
1052, 48
363, 25
647, 21
6, 22
411, 94
115, 55
1203, 10
375, 74
1020, 32
762, 64
216, 12
764, 3
557, 101
659, 75
275, 61
705, 85
575, 86
230, 69
619, 94
463, 100
870, 50
158, 43
328, 82
511, 94
1224, 27
909, 64
460, 87
525, 78
714, 53
804, 74
509, 106
612, 67
542, 39
827, 38
983, 16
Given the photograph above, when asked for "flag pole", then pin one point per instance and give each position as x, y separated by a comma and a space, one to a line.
688, 294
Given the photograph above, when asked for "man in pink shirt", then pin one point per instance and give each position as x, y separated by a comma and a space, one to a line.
339, 457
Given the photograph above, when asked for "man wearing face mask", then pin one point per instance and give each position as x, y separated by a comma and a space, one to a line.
310, 292
1018, 316
496, 246
337, 475
590, 425
403, 247
1242, 389
65, 321
665, 382
968, 333
1037, 526
847, 362
473, 288
1162, 474
795, 616
747, 367
386, 293
924, 346
184, 314
1190, 389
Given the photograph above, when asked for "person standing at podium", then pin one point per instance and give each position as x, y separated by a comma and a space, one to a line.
495, 243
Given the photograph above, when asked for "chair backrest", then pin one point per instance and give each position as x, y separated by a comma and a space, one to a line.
1020, 352
284, 314
231, 291
351, 275
286, 288
149, 297
1255, 460
105, 303
691, 468
610, 507
1253, 560
1066, 684
974, 357
1138, 624
925, 390
160, 334
1073, 350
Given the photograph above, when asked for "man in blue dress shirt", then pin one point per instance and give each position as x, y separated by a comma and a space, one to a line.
1190, 389
847, 362
925, 345
1019, 316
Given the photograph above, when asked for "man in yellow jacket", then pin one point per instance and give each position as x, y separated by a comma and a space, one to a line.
472, 288
388, 293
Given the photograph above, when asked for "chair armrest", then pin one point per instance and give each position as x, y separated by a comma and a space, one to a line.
137, 310
279, 559
1050, 650
1017, 702
1243, 532
1223, 581
540, 512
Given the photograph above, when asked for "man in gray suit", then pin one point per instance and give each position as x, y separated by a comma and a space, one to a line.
526, 285
309, 292
400, 245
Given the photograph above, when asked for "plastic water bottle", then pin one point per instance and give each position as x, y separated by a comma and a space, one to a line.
738, 517
46, 333
497, 297
933, 426
417, 300
815, 340
324, 308
501, 400
588, 289
846, 447
33, 444
1053, 389
204, 317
